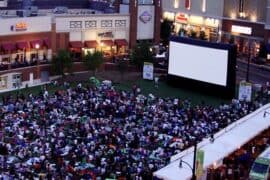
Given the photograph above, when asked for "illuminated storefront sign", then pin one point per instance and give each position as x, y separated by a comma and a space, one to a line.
211, 22
145, 17
241, 29
168, 15
106, 34
181, 17
21, 26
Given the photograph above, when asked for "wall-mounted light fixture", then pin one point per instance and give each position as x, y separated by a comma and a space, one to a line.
176, 4
203, 5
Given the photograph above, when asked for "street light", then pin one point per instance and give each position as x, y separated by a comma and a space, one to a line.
248, 63
194, 162
37, 46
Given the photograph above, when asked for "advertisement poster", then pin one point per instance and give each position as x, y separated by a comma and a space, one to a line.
148, 71
245, 91
199, 163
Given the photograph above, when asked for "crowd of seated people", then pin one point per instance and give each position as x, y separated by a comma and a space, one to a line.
99, 132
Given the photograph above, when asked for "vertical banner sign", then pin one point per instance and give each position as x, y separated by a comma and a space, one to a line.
187, 4
245, 91
199, 163
148, 71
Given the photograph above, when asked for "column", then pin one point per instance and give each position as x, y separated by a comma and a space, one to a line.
158, 16
133, 10
117, 5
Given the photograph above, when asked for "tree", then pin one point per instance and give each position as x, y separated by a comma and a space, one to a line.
165, 31
231, 41
141, 53
182, 32
262, 50
122, 66
202, 35
62, 62
193, 34
93, 60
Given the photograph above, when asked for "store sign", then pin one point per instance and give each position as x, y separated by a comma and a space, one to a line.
21, 26
148, 71
241, 29
145, 17
181, 17
245, 91
106, 34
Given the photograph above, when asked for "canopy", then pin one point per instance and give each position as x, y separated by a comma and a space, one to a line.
76, 44
121, 42
226, 141
47, 43
8, 46
91, 44
36, 42
107, 42
22, 45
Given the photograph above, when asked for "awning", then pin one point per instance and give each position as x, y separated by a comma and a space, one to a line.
121, 42
36, 43
22, 45
91, 44
107, 42
47, 43
76, 44
8, 46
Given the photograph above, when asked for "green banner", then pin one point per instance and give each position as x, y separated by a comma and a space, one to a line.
199, 163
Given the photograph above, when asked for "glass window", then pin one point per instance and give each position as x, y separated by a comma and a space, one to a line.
3, 82
259, 168
145, 2
187, 4
139, 2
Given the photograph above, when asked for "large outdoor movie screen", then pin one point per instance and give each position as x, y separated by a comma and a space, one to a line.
199, 63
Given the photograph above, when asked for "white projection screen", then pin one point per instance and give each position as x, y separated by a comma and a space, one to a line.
199, 63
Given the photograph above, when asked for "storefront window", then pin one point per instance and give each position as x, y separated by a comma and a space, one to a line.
139, 2
16, 80
89, 50
3, 82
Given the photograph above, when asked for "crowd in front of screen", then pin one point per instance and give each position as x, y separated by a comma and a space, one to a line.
98, 132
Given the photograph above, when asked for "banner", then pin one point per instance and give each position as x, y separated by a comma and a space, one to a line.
148, 71
245, 91
199, 163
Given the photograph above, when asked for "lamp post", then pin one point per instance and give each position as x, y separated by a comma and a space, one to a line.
193, 168
37, 46
101, 46
248, 63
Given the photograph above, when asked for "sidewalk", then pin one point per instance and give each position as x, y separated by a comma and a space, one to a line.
262, 66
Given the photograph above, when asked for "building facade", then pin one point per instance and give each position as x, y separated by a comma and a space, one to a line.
243, 22
27, 44
194, 16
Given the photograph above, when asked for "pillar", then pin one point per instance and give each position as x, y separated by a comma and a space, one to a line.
133, 10
117, 5
157, 23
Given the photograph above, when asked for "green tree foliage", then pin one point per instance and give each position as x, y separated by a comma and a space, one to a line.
182, 32
202, 35
93, 61
231, 41
262, 51
193, 34
122, 67
141, 53
62, 62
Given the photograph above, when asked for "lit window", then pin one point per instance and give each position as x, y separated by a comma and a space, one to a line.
187, 4
176, 4
203, 5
